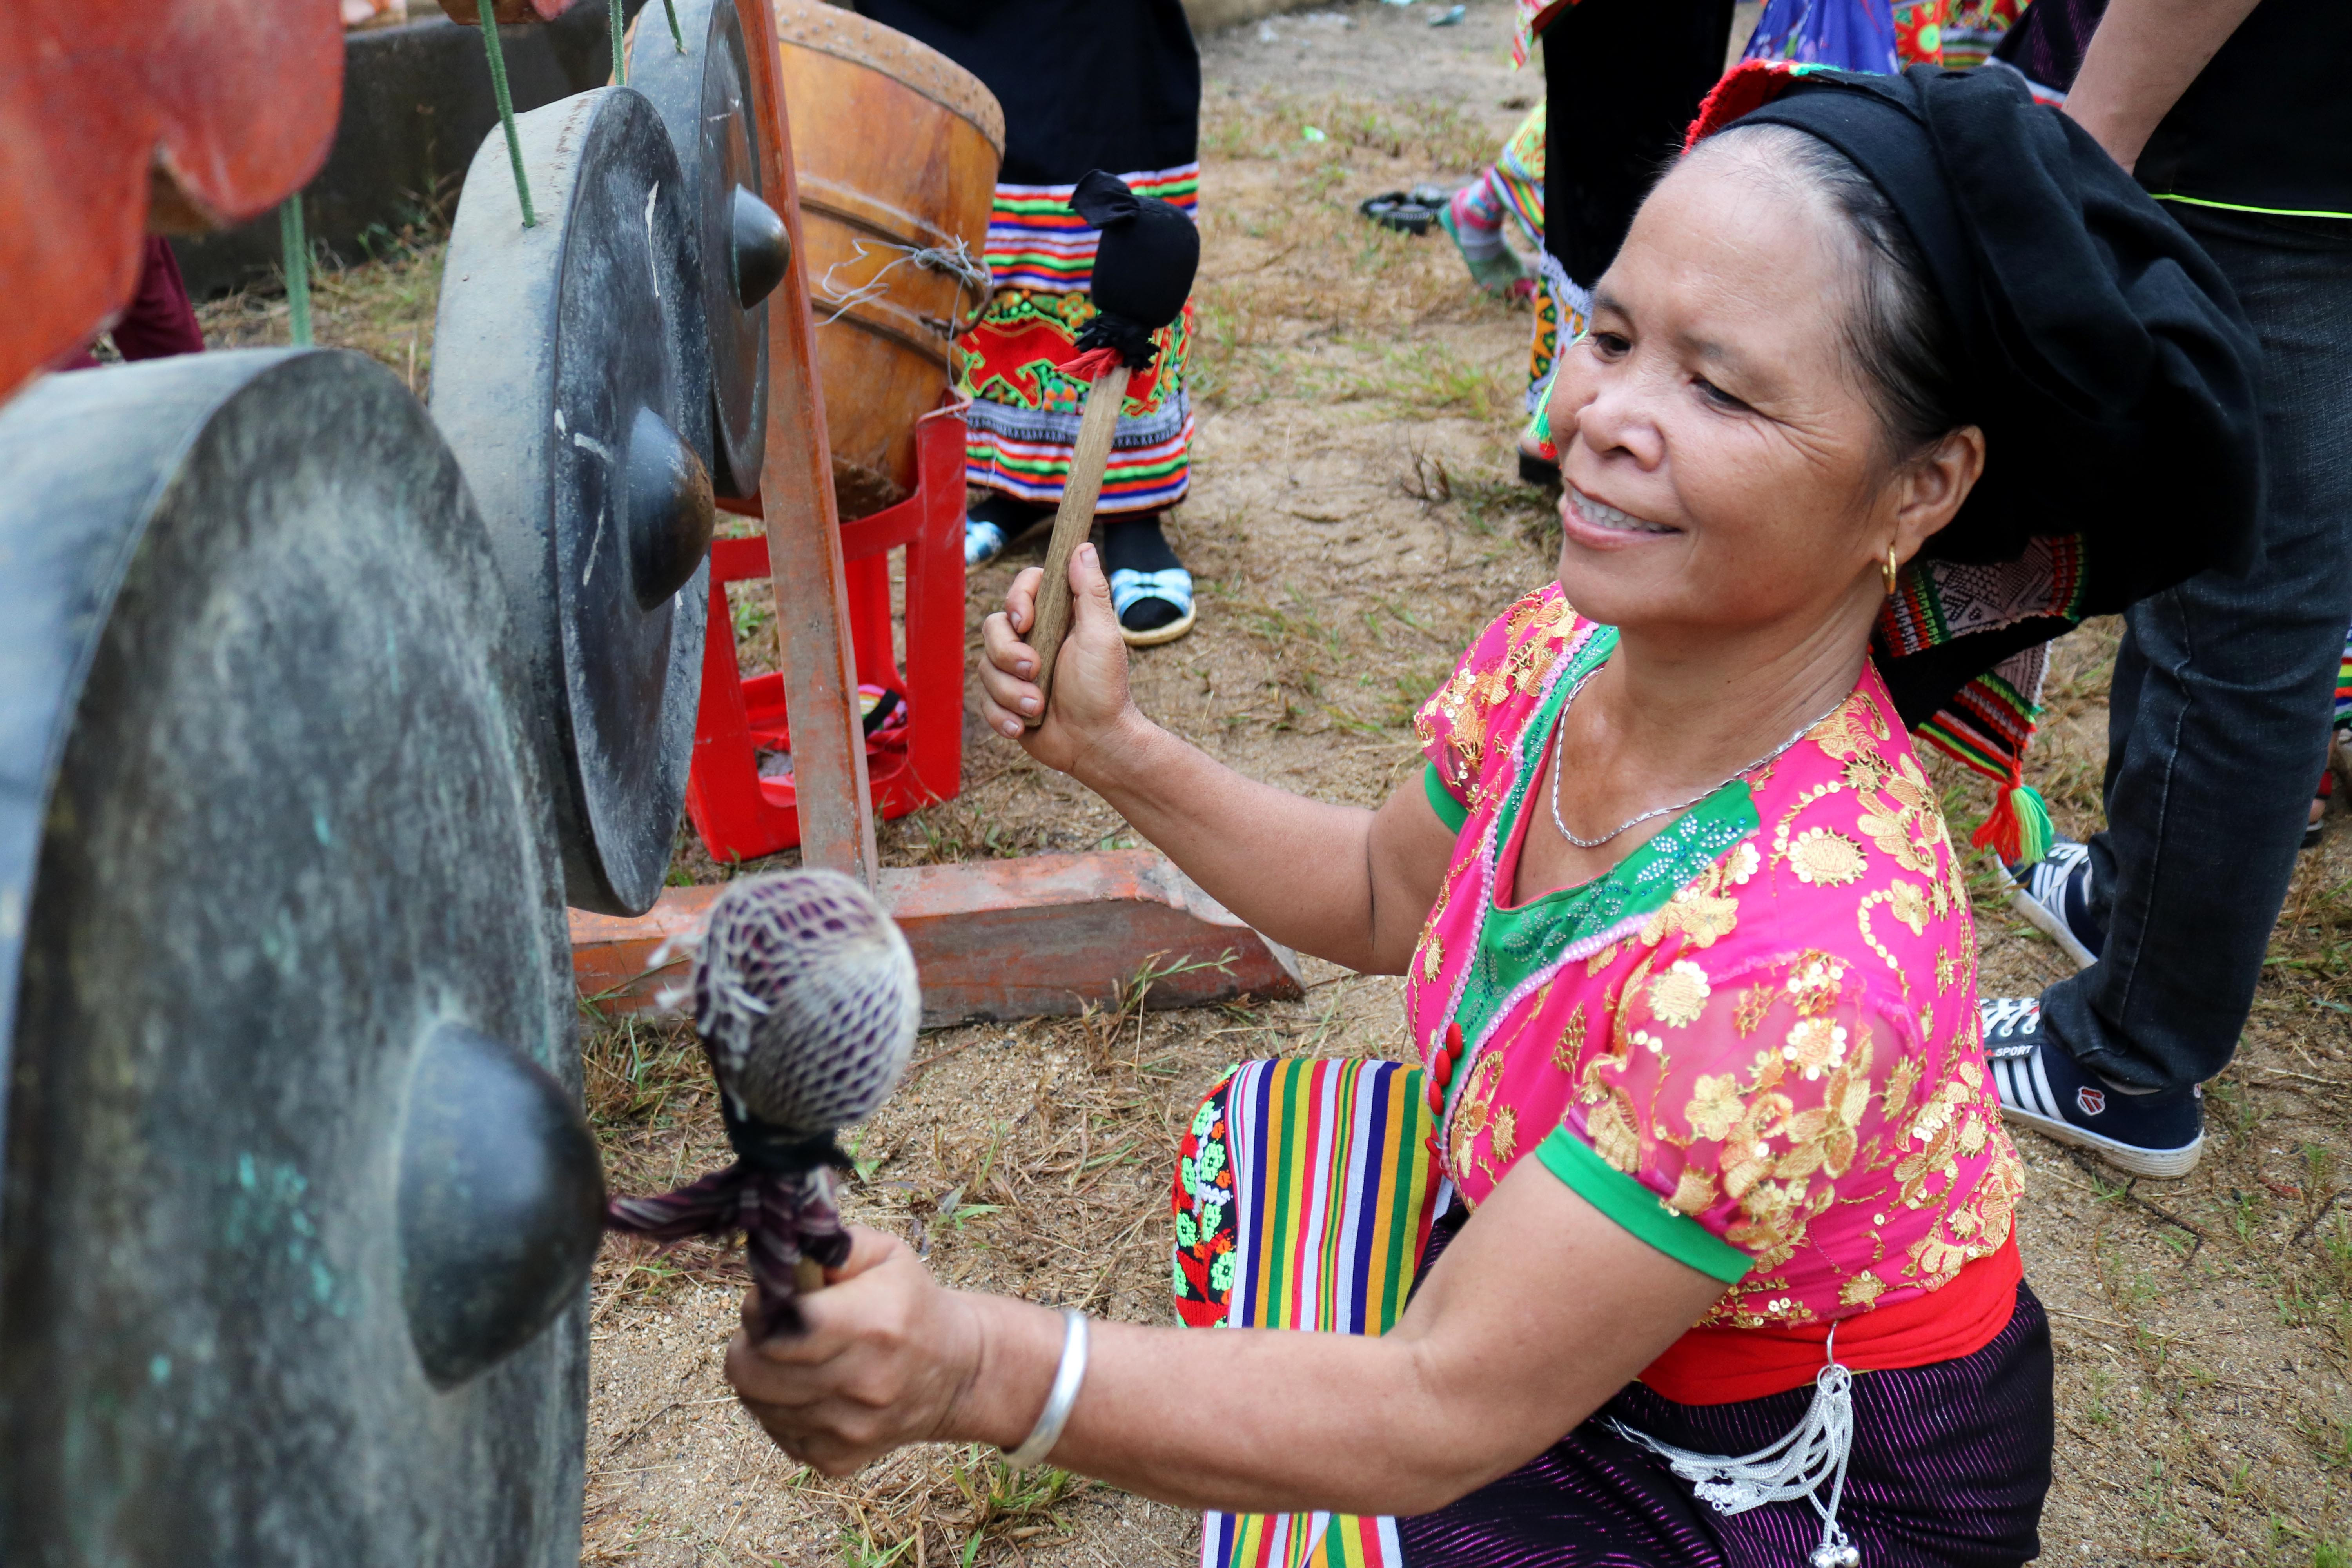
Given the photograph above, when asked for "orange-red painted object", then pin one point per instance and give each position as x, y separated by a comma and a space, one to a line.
117, 114
739, 814
1040, 936
470, 13
804, 540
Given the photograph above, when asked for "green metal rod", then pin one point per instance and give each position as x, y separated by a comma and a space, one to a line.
506, 111
296, 246
620, 55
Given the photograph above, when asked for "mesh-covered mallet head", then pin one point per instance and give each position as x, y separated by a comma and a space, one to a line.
805, 996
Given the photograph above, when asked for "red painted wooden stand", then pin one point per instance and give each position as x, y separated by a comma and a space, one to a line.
1043, 935
742, 817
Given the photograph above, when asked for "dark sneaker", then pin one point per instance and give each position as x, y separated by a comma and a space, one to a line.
2056, 895
2043, 1087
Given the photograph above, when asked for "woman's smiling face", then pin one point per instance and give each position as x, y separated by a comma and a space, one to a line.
1722, 466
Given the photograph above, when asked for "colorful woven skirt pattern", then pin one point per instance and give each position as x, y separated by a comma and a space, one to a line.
2343, 687
1304, 1196
1022, 424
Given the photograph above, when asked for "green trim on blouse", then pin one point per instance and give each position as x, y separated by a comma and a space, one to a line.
2242, 208
1449, 811
1514, 944
1639, 1211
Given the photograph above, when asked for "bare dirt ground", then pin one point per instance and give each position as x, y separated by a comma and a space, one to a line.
1353, 520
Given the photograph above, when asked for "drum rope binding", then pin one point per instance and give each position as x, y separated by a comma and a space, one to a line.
956, 259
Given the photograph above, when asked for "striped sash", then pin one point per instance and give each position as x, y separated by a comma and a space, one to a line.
1303, 1200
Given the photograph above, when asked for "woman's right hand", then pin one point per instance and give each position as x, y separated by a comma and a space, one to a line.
1090, 703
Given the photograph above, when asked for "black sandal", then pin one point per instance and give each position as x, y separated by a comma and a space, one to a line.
1399, 211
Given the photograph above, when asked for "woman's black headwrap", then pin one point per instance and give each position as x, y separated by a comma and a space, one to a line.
2102, 353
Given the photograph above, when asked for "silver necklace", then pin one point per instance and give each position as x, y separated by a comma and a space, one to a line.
1559, 765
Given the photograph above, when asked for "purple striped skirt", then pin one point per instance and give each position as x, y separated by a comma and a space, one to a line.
1950, 1462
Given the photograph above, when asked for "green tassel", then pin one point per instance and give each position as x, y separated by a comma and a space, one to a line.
2035, 832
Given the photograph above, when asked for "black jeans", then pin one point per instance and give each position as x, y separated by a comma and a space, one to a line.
2217, 720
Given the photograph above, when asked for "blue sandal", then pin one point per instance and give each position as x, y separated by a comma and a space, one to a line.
1172, 586
983, 542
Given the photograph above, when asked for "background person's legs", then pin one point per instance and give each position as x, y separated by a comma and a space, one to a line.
2218, 709
1624, 80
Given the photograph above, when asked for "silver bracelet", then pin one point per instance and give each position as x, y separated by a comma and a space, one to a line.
1071, 1372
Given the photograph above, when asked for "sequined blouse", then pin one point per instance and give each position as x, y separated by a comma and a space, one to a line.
1753, 1043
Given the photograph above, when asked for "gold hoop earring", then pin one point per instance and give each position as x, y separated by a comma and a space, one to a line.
1891, 569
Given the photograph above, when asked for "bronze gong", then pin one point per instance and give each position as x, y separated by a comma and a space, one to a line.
298, 1206
572, 377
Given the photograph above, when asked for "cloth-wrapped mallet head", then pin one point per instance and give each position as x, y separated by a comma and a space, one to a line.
805, 996
1144, 265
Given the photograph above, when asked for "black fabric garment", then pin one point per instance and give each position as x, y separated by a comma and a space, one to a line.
1086, 84
2102, 351
2267, 124
1624, 80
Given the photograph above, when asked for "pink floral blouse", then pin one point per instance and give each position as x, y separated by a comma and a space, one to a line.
1753, 1043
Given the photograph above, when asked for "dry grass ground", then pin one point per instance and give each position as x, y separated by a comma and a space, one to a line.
1352, 522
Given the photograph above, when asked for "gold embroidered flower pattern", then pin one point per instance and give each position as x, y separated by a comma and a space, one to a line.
1504, 1140
1470, 1111
1814, 983
1904, 819
1693, 1191
1612, 1135
1704, 917
1909, 901
1814, 1046
1826, 857
1678, 996
1715, 1108
1862, 1289
1571, 1044
1754, 1002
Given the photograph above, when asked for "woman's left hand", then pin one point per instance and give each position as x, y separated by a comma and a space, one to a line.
884, 1361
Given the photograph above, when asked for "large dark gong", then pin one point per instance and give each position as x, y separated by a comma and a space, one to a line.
296, 1219
570, 374
703, 94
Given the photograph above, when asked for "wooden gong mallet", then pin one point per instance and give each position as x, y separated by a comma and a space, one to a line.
1143, 272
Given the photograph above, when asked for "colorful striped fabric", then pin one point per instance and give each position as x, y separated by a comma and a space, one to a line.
1036, 241
1022, 424
1303, 1199
2344, 686
1987, 723
1518, 174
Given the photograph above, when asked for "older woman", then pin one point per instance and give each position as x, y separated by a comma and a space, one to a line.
1690, 967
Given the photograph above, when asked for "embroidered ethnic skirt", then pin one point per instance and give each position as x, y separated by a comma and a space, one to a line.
1022, 423
1303, 1199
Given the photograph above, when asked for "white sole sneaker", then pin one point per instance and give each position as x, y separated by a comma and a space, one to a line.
2022, 1083
2049, 924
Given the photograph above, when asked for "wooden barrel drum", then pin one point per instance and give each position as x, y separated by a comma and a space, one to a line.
896, 148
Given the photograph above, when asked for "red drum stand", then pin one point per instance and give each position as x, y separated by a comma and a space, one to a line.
742, 816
